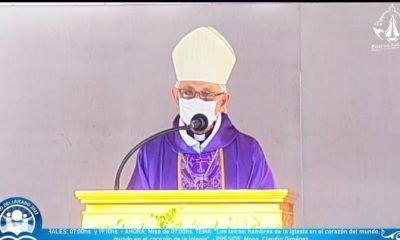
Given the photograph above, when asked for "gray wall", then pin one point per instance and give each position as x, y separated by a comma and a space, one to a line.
80, 85
350, 116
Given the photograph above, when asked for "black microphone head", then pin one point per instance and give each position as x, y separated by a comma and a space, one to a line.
199, 122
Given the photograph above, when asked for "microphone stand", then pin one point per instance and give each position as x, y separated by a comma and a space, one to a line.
134, 149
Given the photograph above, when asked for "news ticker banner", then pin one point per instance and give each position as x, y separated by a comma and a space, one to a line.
20, 219
206, 234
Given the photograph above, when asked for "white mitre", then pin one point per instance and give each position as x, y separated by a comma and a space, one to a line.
203, 55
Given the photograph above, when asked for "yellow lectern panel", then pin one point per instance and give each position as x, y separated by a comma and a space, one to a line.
188, 209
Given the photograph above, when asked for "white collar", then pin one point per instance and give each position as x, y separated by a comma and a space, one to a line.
193, 142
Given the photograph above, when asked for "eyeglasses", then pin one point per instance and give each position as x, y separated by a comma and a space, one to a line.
189, 93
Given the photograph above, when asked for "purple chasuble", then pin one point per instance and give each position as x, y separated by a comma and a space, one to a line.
231, 160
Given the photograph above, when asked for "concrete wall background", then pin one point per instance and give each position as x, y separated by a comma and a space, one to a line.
80, 85
350, 112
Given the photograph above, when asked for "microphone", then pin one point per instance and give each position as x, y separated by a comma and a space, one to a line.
199, 122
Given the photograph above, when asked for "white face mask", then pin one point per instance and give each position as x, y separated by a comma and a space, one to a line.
189, 108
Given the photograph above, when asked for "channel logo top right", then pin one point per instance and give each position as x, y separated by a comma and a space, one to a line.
386, 29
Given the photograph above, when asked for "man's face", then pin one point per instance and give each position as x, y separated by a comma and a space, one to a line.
205, 90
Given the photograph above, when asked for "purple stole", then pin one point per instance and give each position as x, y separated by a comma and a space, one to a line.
201, 170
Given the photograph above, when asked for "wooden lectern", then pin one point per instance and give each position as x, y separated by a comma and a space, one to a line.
188, 209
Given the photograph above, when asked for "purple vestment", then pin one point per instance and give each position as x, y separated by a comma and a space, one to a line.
232, 160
